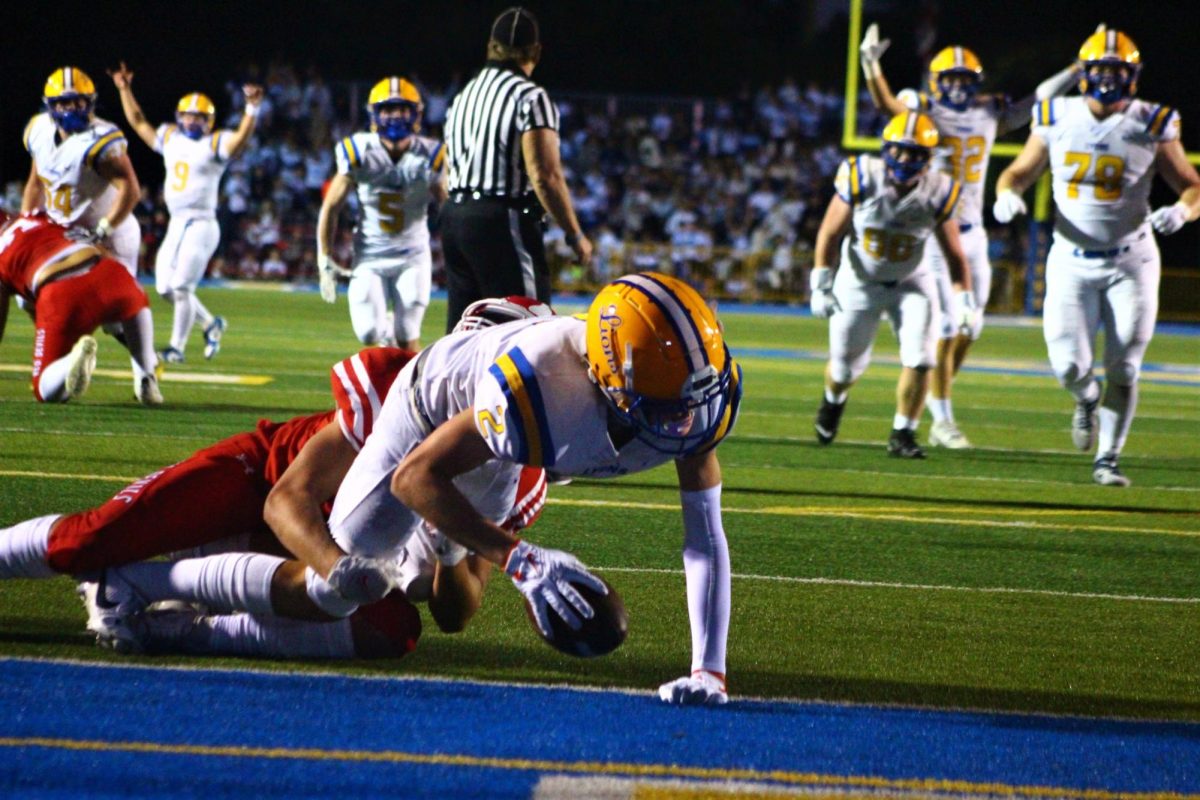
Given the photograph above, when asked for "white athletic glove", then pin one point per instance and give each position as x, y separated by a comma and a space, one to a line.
871, 50
1008, 205
103, 229
967, 311
700, 688
821, 299
328, 271
1169, 219
363, 580
545, 577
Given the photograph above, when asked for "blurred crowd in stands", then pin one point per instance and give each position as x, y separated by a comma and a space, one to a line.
726, 192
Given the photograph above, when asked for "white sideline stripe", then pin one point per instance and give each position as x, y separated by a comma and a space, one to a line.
921, 587
171, 376
783, 511
955, 478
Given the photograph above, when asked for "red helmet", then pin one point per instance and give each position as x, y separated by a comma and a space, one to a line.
497, 310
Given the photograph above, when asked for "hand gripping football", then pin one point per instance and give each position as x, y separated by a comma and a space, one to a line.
598, 636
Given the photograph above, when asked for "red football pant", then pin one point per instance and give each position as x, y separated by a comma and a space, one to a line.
74, 306
215, 493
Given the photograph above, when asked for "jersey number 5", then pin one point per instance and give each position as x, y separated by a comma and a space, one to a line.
391, 212
1107, 177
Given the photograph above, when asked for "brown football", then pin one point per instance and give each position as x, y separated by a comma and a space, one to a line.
598, 636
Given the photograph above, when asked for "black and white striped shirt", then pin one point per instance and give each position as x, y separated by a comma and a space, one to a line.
484, 127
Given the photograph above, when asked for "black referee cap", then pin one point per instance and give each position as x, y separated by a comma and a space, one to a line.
515, 27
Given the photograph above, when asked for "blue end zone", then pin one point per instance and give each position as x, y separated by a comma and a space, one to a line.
72, 730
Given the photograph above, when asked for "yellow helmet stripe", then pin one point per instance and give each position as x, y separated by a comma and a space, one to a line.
958, 57
68, 80
947, 206
101, 145
1110, 42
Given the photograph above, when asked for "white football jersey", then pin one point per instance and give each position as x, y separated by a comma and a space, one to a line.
965, 147
394, 195
888, 232
1102, 169
74, 191
194, 169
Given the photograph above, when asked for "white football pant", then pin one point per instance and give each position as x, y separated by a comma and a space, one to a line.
403, 284
910, 304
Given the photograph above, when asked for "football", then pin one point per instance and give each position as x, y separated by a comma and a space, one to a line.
598, 636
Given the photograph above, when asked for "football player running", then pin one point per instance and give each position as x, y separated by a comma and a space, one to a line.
71, 287
195, 157
967, 123
81, 174
396, 174
1103, 149
882, 214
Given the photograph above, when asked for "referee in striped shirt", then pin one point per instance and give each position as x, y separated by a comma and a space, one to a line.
505, 173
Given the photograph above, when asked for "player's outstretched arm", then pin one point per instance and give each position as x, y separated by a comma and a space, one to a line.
834, 226
1171, 161
870, 52
707, 571
1019, 176
32, 195
240, 139
1017, 114
328, 270
122, 78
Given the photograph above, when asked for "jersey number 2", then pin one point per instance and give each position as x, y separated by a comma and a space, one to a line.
973, 148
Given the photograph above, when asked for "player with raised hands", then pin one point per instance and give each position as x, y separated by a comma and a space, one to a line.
967, 122
884, 211
1102, 150
195, 156
396, 173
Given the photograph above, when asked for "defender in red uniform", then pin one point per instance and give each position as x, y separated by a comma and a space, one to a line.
71, 287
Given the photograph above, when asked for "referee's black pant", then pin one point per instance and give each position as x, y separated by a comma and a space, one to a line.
493, 248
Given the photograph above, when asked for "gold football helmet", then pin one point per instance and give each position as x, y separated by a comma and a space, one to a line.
656, 351
70, 97
395, 105
955, 75
1109, 66
195, 105
908, 142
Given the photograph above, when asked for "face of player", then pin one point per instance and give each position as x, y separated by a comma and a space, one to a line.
958, 88
1108, 83
904, 164
71, 114
192, 124
395, 121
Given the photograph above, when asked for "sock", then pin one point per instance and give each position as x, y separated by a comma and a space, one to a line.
267, 635
203, 315
1085, 390
1116, 417
24, 547
836, 398
939, 407
185, 317
901, 422
139, 340
52, 383
231, 582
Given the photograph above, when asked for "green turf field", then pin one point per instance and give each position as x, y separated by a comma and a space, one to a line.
997, 578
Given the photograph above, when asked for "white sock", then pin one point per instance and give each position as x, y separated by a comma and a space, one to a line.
230, 582
708, 576
901, 422
24, 548
939, 407
267, 635
1116, 417
185, 317
52, 383
139, 340
203, 315
836, 398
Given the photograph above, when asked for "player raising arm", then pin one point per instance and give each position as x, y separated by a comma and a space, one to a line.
967, 123
195, 157
1102, 150
882, 215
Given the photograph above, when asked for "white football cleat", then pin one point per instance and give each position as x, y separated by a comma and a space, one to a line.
174, 630
147, 392
113, 608
1083, 425
81, 366
1106, 473
212, 337
946, 434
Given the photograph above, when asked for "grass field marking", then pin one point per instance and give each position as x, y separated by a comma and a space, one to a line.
171, 376
920, 587
854, 512
956, 478
783, 777
828, 511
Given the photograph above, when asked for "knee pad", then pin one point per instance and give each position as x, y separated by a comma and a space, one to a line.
842, 371
1070, 373
325, 598
387, 629
1122, 373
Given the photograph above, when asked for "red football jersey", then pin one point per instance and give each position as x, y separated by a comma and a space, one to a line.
359, 385
34, 250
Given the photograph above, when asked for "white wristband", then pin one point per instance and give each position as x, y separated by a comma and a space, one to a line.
251, 110
104, 228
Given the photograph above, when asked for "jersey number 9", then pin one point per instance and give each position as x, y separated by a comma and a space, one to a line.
1107, 176
181, 176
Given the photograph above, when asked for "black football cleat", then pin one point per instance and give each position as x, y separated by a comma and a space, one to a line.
829, 416
902, 444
